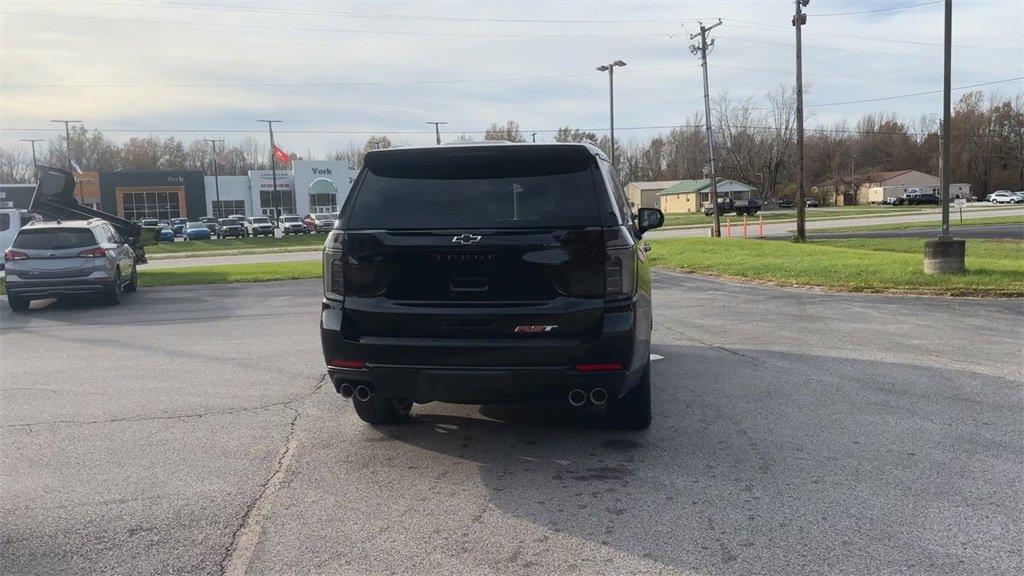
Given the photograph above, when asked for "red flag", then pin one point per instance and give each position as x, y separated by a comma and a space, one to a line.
281, 155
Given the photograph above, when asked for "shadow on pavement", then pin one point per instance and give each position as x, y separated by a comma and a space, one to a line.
764, 462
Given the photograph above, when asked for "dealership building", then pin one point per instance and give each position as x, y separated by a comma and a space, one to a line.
311, 186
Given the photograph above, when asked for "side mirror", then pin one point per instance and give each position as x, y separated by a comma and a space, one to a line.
649, 219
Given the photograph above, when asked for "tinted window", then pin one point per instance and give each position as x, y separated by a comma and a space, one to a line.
5, 221
474, 188
54, 238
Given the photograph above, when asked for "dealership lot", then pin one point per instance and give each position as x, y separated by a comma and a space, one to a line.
192, 430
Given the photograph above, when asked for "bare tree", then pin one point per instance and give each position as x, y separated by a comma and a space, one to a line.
509, 132
15, 165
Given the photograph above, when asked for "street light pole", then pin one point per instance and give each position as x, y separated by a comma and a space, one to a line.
534, 136
702, 48
273, 169
216, 173
34, 163
610, 69
437, 130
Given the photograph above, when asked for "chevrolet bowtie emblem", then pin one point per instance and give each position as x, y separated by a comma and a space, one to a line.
466, 239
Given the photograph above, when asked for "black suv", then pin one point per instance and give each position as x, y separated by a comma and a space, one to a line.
489, 273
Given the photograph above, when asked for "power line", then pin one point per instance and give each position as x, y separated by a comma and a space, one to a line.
879, 99
339, 83
889, 54
455, 132
323, 29
876, 10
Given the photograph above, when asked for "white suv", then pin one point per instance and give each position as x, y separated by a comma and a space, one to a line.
1003, 197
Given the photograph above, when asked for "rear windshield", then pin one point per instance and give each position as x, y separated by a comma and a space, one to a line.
54, 239
465, 189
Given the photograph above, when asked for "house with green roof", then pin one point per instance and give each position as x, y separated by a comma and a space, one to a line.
688, 195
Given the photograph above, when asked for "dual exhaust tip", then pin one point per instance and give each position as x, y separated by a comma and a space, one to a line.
597, 396
360, 392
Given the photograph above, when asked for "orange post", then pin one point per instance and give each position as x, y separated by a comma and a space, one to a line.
744, 225
760, 226
728, 228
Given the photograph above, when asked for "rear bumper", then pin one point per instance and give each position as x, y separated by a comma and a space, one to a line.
484, 371
55, 288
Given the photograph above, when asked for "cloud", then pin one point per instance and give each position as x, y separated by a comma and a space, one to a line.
231, 42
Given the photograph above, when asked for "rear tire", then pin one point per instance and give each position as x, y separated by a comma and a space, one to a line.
380, 410
133, 284
18, 304
113, 295
633, 411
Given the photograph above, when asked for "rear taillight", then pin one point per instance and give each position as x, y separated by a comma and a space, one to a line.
93, 253
620, 263
10, 255
334, 266
350, 364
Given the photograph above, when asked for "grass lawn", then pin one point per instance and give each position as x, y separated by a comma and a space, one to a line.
230, 273
247, 245
953, 221
995, 267
812, 214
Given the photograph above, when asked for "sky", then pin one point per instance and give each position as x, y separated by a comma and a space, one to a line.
335, 72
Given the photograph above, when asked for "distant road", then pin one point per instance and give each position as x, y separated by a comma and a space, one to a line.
1010, 231
772, 230
778, 229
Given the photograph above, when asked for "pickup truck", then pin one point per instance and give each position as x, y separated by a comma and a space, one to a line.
740, 207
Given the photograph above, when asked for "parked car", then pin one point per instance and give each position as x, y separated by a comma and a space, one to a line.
241, 222
196, 231
492, 273
58, 258
786, 203
811, 203
230, 228
1002, 197
259, 226
319, 222
166, 232
178, 225
211, 224
1019, 196
291, 224
150, 222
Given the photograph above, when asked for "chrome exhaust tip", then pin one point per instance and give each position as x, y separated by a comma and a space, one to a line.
362, 393
577, 397
346, 390
599, 396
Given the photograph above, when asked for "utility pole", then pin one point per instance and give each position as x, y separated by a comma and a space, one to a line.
702, 48
67, 137
534, 136
34, 163
273, 169
216, 174
610, 69
437, 130
67, 143
799, 19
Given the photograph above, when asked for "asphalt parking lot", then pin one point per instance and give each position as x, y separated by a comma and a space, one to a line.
191, 430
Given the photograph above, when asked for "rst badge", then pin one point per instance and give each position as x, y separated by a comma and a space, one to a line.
532, 329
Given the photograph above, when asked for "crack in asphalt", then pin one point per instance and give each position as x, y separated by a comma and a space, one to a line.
753, 360
147, 418
239, 551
